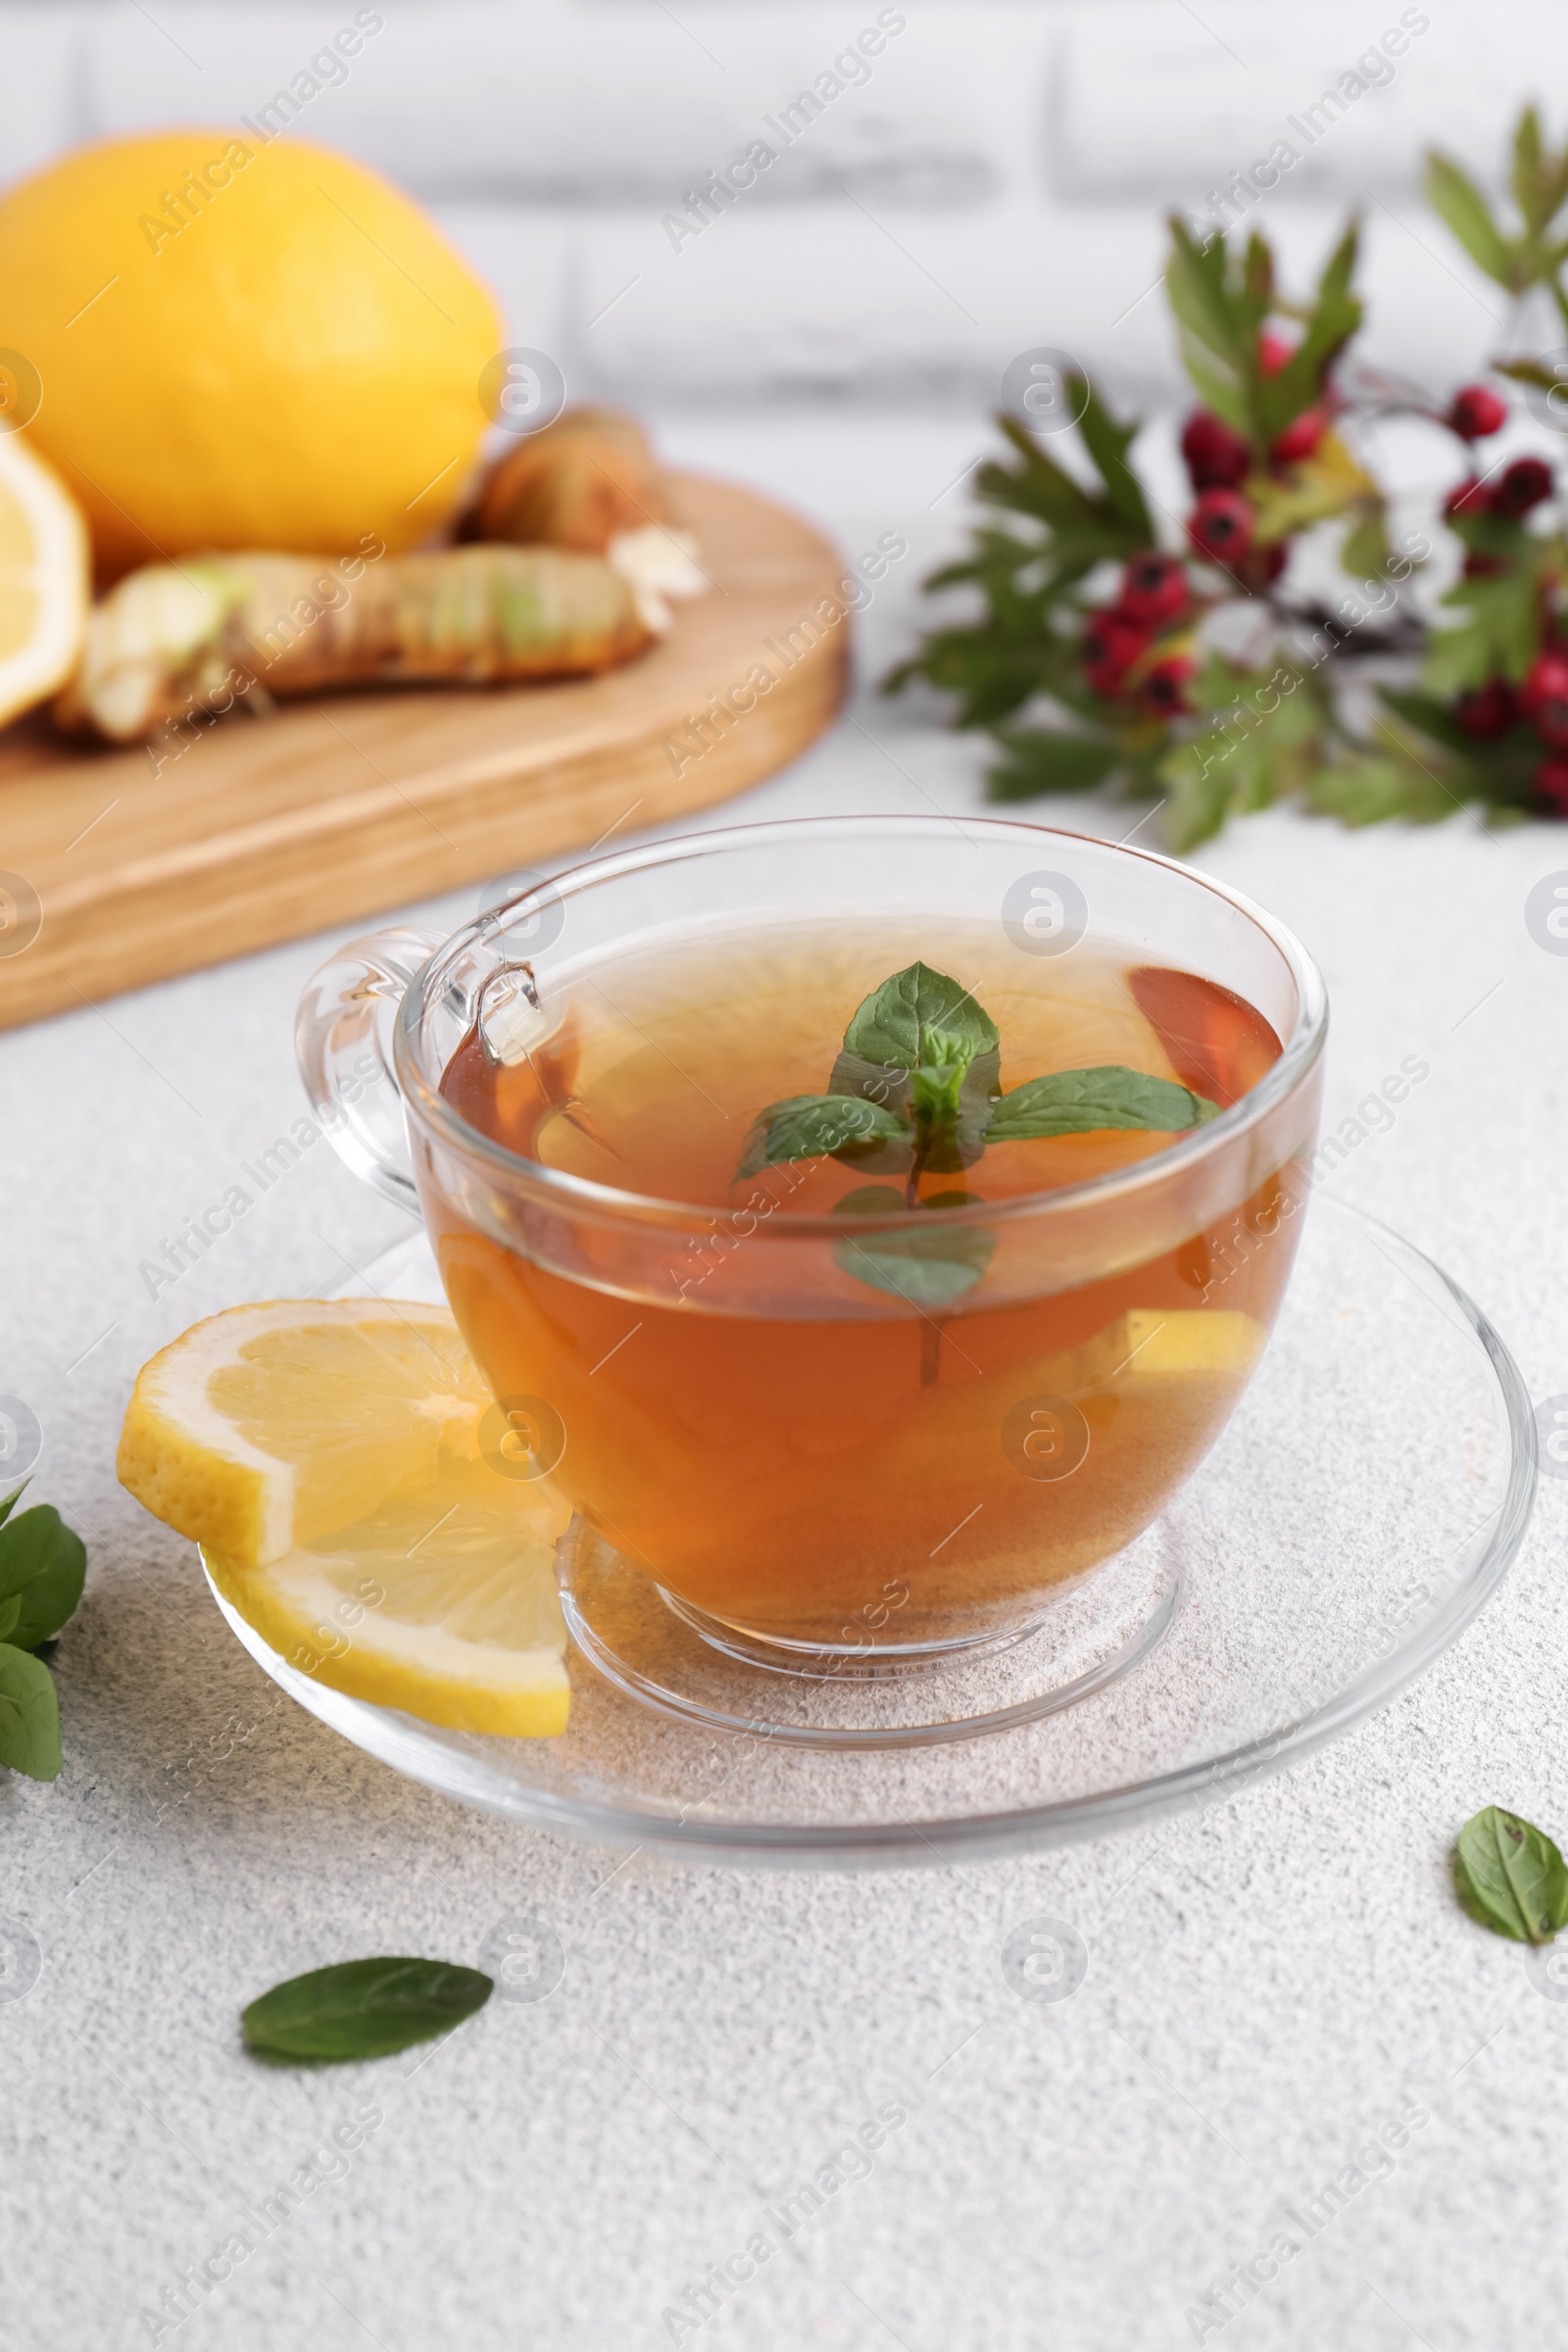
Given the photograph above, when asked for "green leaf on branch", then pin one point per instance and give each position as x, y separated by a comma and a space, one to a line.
1364, 549
1332, 321
1456, 200
1510, 1877
1499, 636
1083, 1101
363, 2009
29, 1715
839, 1126
1361, 786
1216, 351
1264, 743
1108, 443
1044, 759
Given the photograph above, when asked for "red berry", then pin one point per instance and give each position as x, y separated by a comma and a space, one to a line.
1550, 796
1299, 437
1154, 589
1163, 690
1274, 353
1220, 526
1467, 498
1524, 484
1265, 564
1113, 637
1476, 412
1545, 698
1217, 458
1487, 710
1111, 644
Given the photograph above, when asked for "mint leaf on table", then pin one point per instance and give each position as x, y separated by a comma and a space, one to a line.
1510, 1877
363, 2009
1080, 1102
29, 1715
42, 1569
809, 1126
926, 1269
27, 1547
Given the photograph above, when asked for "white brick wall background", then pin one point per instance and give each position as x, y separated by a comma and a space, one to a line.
993, 179
994, 182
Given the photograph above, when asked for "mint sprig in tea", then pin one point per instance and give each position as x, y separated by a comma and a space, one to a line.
949, 1406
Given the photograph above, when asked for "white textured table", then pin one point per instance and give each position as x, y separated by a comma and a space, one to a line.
1269, 1983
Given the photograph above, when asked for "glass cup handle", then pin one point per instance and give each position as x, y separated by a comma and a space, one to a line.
343, 1044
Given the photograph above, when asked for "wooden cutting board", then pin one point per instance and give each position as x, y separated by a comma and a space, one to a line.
332, 809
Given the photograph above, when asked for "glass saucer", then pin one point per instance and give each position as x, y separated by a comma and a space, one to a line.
1356, 1514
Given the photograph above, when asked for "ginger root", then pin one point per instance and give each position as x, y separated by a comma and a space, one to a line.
174, 639
581, 482
591, 482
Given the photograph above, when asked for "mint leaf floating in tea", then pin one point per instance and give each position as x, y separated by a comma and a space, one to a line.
807, 1126
363, 2009
917, 1091
899, 1022
42, 1569
927, 1269
1510, 1877
1080, 1102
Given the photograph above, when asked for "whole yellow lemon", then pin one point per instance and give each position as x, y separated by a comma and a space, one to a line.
240, 342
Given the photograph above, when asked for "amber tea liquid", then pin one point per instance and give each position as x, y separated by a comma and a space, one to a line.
860, 1462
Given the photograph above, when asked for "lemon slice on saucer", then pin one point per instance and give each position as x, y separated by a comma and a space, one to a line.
43, 575
268, 1426
328, 1459
434, 1603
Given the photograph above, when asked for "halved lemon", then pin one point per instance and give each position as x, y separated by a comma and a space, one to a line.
43, 579
328, 1457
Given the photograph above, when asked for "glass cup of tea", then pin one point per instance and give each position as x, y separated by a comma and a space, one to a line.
866, 1223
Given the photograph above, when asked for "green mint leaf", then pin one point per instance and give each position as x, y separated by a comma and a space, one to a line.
937, 1086
1081, 1101
27, 1547
30, 1715
947, 1128
896, 1023
50, 1598
12, 1500
924, 1269
807, 1126
1510, 1877
10, 1613
363, 2009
